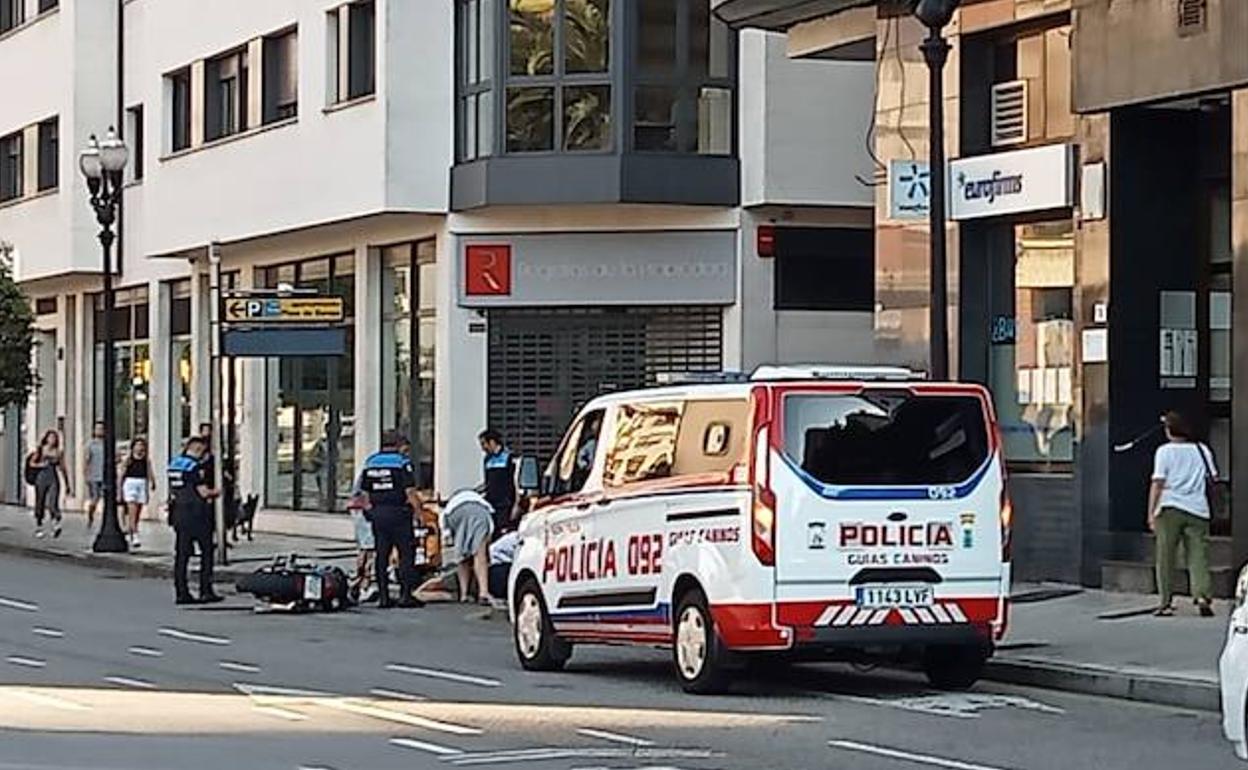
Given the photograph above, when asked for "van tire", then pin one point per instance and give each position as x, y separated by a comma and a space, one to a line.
537, 646
698, 654
954, 667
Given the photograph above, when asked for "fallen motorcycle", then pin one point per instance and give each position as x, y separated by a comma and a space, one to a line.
298, 586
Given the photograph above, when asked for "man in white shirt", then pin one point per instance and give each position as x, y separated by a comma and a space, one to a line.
1178, 508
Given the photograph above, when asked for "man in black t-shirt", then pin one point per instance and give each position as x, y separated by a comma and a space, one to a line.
387, 483
190, 513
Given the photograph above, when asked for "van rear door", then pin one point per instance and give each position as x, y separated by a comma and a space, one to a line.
886, 496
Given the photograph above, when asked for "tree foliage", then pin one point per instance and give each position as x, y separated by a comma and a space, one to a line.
17, 339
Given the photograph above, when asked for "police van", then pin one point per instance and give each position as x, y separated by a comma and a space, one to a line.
807, 512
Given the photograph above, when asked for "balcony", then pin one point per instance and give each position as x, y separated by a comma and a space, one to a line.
779, 15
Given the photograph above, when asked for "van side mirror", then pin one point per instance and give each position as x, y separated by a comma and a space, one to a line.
529, 477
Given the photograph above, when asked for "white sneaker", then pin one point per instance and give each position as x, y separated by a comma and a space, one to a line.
39, 533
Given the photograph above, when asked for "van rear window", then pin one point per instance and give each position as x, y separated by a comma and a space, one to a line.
885, 438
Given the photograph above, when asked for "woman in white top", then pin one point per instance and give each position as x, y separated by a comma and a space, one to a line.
1178, 511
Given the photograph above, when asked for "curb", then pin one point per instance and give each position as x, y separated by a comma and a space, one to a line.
1106, 682
141, 568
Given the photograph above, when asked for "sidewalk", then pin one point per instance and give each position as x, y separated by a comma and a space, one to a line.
154, 558
1110, 644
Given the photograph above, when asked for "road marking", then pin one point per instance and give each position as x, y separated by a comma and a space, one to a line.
281, 713
187, 636
146, 652
614, 737
261, 690
450, 676
400, 717
21, 660
432, 748
126, 681
52, 701
246, 668
552, 753
382, 692
954, 705
18, 604
48, 633
922, 759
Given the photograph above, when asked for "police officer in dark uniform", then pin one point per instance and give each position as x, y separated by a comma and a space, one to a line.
190, 513
388, 484
499, 483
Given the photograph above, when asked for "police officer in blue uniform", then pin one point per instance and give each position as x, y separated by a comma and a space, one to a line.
499, 479
388, 484
190, 513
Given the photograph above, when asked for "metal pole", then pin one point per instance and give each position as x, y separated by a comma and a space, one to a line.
935, 53
215, 390
110, 538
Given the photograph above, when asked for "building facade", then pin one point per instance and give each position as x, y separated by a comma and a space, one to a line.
1096, 234
522, 202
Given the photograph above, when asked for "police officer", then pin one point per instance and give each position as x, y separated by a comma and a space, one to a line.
499, 479
388, 484
190, 513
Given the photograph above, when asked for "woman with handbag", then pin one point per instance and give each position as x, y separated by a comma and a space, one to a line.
1179, 510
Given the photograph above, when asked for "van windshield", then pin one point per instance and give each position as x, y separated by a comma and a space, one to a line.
885, 438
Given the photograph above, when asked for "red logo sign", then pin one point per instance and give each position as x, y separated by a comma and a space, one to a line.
487, 270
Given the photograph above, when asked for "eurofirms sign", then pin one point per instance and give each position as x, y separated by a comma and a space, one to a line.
1016, 182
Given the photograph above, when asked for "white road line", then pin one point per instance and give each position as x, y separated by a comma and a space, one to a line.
22, 660
18, 604
922, 759
382, 692
614, 737
262, 690
557, 753
450, 676
281, 713
432, 748
125, 681
246, 668
146, 652
400, 717
48, 633
187, 636
52, 701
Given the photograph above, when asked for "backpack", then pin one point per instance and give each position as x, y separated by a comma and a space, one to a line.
31, 473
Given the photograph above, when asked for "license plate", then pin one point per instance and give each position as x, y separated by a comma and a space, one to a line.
312, 587
888, 596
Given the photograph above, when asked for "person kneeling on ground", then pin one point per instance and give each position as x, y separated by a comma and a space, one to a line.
470, 520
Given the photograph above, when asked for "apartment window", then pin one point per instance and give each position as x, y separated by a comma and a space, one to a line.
180, 101
49, 151
476, 65
558, 78
684, 98
134, 130
281, 76
352, 37
11, 167
225, 95
12, 14
47, 5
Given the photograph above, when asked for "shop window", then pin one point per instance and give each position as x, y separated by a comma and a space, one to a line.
132, 375
225, 95
643, 447
11, 185
408, 328
827, 269
1031, 354
281, 76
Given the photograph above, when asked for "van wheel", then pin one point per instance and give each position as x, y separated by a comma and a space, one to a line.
697, 652
537, 647
954, 667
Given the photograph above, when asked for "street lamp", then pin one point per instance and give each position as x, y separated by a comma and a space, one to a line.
102, 163
936, 15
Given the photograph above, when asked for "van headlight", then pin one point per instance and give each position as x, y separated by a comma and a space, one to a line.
1241, 588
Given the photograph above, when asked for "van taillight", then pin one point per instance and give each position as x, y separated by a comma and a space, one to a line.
764, 504
1007, 525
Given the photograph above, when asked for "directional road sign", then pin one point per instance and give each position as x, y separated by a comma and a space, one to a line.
284, 310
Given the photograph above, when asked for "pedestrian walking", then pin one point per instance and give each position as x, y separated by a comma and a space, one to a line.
137, 482
470, 520
387, 485
190, 514
45, 469
93, 472
499, 479
1178, 512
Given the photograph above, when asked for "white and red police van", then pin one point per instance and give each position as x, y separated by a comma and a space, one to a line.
821, 513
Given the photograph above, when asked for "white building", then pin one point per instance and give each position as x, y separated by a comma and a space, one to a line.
548, 208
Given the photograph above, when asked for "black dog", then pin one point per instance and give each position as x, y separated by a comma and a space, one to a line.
240, 516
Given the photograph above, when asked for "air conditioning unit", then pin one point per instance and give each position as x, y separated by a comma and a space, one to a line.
1009, 113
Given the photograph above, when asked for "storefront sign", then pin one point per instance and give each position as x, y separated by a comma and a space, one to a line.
1037, 179
909, 189
613, 268
284, 310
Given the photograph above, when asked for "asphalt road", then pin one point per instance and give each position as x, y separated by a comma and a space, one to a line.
100, 671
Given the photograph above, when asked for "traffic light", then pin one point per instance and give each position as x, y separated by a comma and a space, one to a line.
935, 13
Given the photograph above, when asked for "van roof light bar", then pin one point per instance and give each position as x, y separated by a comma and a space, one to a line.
700, 378
838, 372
